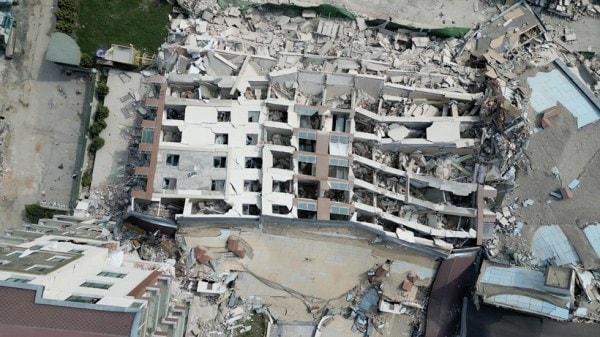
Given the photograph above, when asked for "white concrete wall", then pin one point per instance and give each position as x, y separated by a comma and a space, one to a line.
67, 280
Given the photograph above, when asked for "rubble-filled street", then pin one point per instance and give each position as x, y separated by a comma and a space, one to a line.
406, 168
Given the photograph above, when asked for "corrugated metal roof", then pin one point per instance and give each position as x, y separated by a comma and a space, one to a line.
549, 242
63, 49
592, 233
548, 88
529, 304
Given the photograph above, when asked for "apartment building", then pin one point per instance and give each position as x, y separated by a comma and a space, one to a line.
311, 145
66, 278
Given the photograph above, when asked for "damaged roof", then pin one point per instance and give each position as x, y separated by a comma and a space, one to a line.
451, 284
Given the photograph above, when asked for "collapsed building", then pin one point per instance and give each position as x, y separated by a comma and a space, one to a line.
390, 135
259, 117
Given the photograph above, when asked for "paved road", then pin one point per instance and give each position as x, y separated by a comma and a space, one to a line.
43, 108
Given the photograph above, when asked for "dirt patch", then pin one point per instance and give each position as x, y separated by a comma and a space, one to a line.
38, 148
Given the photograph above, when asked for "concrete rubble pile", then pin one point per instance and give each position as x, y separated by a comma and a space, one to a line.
215, 46
569, 9
113, 197
473, 83
440, 126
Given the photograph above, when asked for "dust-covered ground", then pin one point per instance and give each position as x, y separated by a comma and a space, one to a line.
576, 154
42, 106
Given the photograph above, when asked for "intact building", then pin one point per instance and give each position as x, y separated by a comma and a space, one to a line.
63, 278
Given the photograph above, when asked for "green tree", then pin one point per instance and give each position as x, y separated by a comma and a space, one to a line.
67, 4
35, 212
65, 15
86, 61
101, 112
97, 127
86, 178
96, 144
65, 27
102, 90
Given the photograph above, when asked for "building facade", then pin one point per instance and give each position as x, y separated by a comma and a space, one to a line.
66, 269
312, 145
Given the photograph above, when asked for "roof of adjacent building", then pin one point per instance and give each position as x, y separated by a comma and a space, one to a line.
558, 277
63, 49
453, 281
490, 321
521, 289
22, 314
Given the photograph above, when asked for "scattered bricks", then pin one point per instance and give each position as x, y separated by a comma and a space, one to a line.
546, 123
547, 115
566, 193
407, 285
512, 219
528, 202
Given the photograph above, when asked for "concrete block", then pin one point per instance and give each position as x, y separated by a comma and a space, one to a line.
398, 133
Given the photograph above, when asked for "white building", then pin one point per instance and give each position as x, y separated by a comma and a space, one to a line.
305, 144
75, 266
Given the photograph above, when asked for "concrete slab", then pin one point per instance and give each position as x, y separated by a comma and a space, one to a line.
443, 132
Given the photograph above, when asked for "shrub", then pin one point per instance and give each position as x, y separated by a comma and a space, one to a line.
65, 15
101, 124
86, 61
86, 178
65, 27
101, 90
97, 127
97, 144
101, 112
35, 212
67, 4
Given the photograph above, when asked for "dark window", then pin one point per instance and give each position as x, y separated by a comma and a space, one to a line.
280, 209
252, 186
173, 159
250, 209
253, 116
58, 259
220, 162
339, 122
221, 138
83, 299
169, 184
217, 185
253, 162
224, 116
111, 274
40, 268
96, 285
17, 280
251, 139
